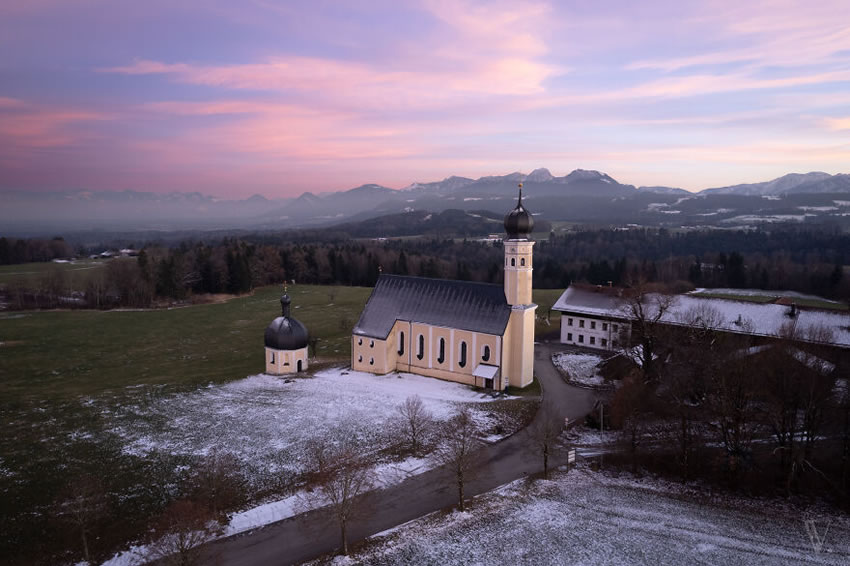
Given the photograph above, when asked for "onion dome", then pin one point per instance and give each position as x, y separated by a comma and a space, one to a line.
519, 223
285, 332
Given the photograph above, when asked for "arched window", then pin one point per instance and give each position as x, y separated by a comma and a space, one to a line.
401, 343
462, 362
485, 357
272, 360
513, 262
522, 262
421, 353
442, 357
371, 361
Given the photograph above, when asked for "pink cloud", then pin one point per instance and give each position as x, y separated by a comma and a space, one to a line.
38, 127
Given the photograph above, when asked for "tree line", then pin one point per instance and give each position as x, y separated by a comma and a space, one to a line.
804, 261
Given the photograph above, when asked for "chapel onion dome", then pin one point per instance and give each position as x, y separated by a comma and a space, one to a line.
519, 223
285, 332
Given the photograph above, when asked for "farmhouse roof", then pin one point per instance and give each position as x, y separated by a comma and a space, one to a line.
477, 307
740, 317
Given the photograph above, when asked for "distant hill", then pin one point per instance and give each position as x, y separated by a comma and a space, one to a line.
582, 196
448, 223
815, 182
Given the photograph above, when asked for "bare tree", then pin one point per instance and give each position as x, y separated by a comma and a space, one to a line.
83, 507
416, 422
629, 413
457, 450
698, 352
341, 477
731, 400
313, 342
180, 531
646, 308
218, 483
545, 431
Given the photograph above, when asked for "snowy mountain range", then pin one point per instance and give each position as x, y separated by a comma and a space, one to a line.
581, 196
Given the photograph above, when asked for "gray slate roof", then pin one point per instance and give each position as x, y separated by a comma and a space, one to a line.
478, 307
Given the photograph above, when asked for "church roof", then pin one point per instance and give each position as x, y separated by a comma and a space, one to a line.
477, 307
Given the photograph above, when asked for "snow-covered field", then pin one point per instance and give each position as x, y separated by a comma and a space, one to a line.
593, 518
267, 422
581, 368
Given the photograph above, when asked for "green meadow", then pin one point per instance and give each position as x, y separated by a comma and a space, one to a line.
61, 354
77, 274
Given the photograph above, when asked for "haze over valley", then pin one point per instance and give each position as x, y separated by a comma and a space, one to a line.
581, 196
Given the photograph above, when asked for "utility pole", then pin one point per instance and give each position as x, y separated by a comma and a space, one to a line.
601, 430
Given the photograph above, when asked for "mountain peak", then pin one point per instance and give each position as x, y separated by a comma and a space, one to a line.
539, 175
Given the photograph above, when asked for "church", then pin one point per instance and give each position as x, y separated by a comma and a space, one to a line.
473, 333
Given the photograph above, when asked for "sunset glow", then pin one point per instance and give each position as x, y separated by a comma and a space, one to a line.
277, 98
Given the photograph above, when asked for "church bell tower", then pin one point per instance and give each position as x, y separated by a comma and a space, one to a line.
518, 365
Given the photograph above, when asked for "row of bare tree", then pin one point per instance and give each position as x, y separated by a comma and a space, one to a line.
776, 411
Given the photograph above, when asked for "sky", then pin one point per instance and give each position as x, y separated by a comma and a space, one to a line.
277, 98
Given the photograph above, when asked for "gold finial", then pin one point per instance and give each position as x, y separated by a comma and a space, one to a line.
520, 185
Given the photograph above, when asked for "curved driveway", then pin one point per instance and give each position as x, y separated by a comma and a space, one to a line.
312, 534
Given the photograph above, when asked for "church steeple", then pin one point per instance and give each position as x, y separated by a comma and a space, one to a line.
519, 223
518, 254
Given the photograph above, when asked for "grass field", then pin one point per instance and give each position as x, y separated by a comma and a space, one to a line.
810, 302
78, 273
63, 353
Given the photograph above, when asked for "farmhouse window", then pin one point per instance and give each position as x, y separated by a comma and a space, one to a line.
604, 342
593, 325
569, 322
581, 338
593, 339
570, 336
581, 323
604, 326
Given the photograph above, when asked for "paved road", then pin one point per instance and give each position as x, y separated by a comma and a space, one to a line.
315, 533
